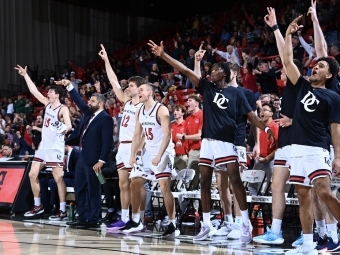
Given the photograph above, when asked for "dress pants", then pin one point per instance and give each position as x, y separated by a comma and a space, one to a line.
88, 192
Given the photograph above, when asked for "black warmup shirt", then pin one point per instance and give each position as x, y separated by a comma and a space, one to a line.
221, 108
240, 139
288, 102
315, 109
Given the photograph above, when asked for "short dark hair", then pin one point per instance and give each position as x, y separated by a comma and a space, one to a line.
138, 80
333, 68
180, 107
58, 90
8, 145
225, 68
272, 108
246, 51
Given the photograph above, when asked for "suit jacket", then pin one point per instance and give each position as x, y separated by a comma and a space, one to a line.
72, 162
97, 141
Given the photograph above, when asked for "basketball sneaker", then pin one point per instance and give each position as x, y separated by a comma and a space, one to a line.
35, 211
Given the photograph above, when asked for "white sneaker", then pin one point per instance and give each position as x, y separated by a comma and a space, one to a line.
303, 250
236, 231
224, 229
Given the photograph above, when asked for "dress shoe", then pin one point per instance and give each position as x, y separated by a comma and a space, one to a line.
76, 224
92, 224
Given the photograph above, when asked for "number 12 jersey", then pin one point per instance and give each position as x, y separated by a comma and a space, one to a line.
128, 122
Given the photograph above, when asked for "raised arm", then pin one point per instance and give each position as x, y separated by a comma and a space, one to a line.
83, 107
159, 51
198, 58
271, 21
319, 39
112, 77
32, 88
292, 71
309, 49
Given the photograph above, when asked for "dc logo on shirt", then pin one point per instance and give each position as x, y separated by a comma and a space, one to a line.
220, 100
309, 100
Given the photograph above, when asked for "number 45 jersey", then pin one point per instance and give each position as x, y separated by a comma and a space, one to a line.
51, 137
128, 122
153, 130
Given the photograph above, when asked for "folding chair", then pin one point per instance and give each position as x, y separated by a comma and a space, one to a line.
254, 176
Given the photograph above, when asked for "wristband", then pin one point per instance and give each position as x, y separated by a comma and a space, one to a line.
266, 129
183, 137
275, 27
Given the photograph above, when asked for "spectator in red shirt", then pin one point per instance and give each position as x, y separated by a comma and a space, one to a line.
267, 151
181, 147
249, 81
192, 134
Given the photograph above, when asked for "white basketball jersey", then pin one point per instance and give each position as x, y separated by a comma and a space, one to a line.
128, 122
153, 130
50, 138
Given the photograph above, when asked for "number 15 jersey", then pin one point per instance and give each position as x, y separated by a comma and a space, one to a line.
153, 130
128, 122
50, 138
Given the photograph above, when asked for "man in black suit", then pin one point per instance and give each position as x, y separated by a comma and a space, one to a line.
50, 197
94, 136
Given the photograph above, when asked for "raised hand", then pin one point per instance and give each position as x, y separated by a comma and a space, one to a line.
270, 18
312, 11
155, 49
22, 71
63, 82
294, 26
199, 54
103, 53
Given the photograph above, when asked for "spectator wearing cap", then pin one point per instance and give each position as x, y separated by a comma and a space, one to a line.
74, 81
19, 104
51, 81
298, 51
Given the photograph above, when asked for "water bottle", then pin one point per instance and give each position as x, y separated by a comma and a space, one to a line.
71, 212
101, 178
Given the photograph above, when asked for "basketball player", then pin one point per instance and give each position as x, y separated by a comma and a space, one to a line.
222, 105
325, 221
130, 99
227, 227
233, 230
316, 108
52, 147
154, 121
282, 155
